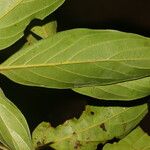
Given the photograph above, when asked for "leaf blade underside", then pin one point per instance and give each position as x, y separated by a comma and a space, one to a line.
96, 125
16, 15
79, 58
130, 90
137, 139
14, 131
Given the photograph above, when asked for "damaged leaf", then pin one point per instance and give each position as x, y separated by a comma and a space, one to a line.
103, 124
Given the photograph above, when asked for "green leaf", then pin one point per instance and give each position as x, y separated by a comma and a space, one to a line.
96, 125
136, 140
122, 91
14, 131
16, 15
44, 31
79, 58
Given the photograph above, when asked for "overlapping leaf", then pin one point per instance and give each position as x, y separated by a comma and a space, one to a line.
16, 15
2, 147
14, 132
136, 140
96, 125
44, 31
122, 91
79, 58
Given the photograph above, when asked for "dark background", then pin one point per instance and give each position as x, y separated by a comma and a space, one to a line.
41, 104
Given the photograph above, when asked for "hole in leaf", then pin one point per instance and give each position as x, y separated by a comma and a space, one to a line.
92, 113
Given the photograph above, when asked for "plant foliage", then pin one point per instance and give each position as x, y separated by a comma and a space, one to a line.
137, 139
14, 131
12, 27
79, 58
104, 64
96, 125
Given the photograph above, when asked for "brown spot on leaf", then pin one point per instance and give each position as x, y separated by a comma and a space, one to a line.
77, 145
74, 133
103, 127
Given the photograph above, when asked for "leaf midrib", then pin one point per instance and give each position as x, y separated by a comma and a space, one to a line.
7, 68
